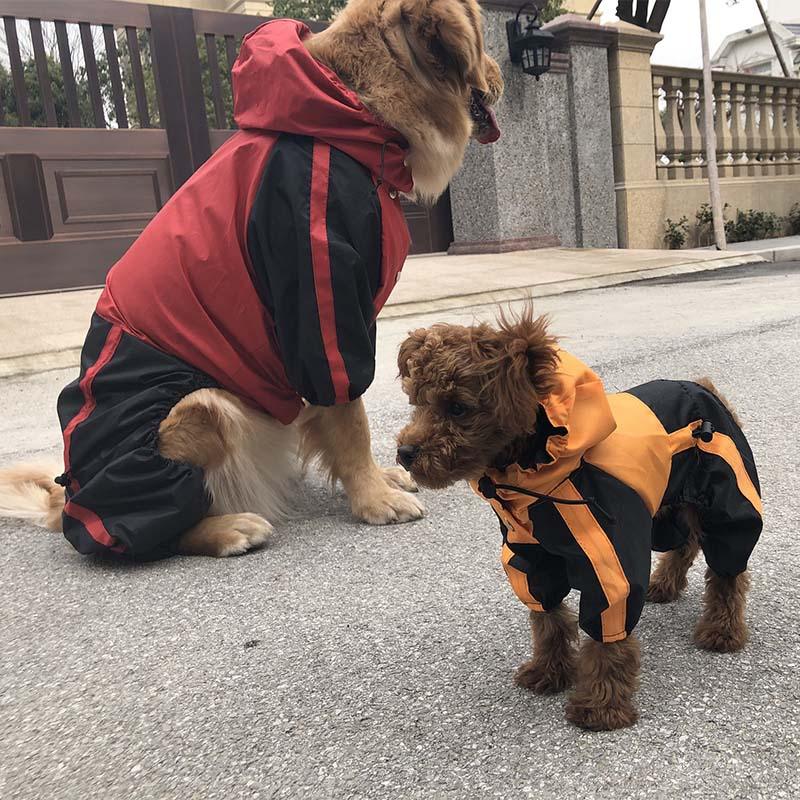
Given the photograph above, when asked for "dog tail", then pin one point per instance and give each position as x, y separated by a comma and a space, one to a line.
29, 492
707, 384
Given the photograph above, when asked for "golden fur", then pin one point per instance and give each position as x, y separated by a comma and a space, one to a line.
28, 492
492, 374
338, 438
414, 64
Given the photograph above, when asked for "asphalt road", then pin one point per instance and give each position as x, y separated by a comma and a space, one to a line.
344, 661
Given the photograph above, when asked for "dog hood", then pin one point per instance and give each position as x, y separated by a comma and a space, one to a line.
572, 419
279, 87
577, 412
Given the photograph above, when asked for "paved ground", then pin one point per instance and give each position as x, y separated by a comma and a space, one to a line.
352, 662
46, 331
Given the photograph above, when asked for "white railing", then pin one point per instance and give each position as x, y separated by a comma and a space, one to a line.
755, 121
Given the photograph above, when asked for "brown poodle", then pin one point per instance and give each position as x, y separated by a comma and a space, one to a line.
584, 484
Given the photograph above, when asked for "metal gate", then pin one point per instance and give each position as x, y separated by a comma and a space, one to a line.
105, 109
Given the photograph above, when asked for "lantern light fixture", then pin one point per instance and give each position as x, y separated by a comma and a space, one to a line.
529, 46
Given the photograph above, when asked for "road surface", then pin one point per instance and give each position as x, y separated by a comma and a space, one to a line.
344, 661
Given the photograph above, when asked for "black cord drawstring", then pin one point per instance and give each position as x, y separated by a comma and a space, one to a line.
488, 488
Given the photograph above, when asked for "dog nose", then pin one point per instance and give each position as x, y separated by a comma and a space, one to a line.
406, 454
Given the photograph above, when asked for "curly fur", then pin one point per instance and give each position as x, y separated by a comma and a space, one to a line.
669, 577
607, 678
552, 668
722, 627
497, 373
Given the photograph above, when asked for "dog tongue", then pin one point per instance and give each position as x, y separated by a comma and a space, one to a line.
492, 131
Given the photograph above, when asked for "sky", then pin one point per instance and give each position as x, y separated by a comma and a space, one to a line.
681, 44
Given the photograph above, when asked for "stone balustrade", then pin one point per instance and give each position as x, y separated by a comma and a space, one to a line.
755, 122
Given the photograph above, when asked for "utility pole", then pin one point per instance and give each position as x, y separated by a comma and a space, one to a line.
772, 38
711, 138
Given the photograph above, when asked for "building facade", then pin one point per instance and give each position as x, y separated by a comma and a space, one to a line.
750, 50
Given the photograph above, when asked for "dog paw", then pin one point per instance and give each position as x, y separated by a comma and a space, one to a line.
662, 593
247, 532
387, 507
542, 678
601, 718
720, 639
225, 535
398, 478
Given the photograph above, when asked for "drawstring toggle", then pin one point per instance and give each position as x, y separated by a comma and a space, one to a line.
704, 431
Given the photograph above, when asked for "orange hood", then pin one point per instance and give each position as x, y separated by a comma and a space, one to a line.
580, 417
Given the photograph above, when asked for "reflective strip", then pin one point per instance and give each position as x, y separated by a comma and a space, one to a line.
594, 542
93, 524
89, 403
517, 521
321, 263
682, 439
519, 581
724, 447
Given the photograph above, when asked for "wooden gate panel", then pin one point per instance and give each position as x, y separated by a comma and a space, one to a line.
72, 198
101, 188
104, 197
6, 229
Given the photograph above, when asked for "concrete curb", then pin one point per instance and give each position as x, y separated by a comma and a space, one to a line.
32, 363
564, 287
778, 254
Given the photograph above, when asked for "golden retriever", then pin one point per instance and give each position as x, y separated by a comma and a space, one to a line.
420, 67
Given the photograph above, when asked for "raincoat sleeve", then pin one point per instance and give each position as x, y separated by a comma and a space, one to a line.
314, 238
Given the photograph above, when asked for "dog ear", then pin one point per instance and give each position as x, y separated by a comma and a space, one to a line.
445, 40
408, 349
530, 346
524, 369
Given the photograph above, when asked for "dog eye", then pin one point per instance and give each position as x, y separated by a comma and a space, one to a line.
456, 410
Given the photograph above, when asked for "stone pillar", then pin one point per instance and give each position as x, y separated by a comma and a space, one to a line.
633, 131
548, 180
586, 45
631, 86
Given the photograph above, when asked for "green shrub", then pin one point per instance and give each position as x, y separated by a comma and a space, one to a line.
704, 216
751, 225
676, 232
705, 223
793, 220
